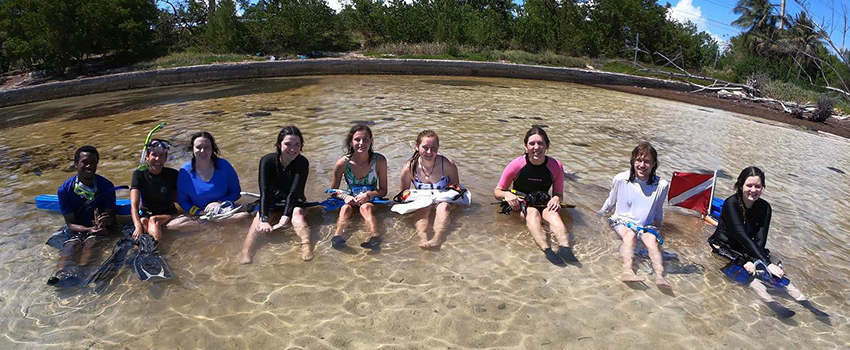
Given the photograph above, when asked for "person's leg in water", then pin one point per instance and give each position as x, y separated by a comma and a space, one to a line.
66, 256
88, 247
299, 224
627, 253
441, 222
182, 221
534, 222
422, 217
338, 241
655, 257
801, 299
761, 291
366, 211
560, 231
247, 254
155, 225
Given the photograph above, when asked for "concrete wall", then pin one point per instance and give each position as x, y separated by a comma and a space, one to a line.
253, 70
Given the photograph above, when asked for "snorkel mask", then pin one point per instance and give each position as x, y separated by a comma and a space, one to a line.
148, 143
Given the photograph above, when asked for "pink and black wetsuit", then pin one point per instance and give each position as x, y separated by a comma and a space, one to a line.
527, 177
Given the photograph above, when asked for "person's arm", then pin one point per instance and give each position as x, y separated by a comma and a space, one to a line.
406, 177
336, 179
136, 203
502, 190
381, 169
233, 187
296, 188
451, 171
664, 187
612, 198
557, 171
267, 176
184, 198
737, 230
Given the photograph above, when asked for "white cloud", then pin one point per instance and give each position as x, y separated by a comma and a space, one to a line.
336, 5
686, 11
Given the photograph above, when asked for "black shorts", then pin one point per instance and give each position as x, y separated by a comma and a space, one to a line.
146, 213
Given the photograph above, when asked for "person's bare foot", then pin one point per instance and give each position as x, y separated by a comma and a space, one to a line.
244, 258
661, 282
629, 276
433, 243
423, 243
306, 251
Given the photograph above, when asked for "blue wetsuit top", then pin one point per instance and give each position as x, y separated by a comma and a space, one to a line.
72, 203
193, 193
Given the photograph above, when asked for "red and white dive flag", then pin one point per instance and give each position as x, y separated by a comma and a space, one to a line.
692, 191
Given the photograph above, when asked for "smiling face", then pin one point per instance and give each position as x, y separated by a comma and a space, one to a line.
536, 147
643, 166
751, 190
87, 165
156, 158
290, 148
428, 148
361, 142
202, 149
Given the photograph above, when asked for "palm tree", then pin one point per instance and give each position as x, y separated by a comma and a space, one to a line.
758, 18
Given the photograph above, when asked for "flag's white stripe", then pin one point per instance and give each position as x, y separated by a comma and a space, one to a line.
691, 192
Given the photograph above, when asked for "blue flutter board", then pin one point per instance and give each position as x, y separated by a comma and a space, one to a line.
51, 202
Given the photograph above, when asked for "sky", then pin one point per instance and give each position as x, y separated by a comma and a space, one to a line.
716, 16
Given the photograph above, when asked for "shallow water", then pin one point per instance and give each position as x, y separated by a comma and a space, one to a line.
489, 286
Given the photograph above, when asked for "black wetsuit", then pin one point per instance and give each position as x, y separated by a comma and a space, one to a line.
158, 191
738, 240
282, 185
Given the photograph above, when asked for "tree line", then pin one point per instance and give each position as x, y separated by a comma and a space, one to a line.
54, 34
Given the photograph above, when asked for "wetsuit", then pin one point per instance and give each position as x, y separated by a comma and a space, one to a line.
157, 191
739, 240
83, 208
527, 177
193, 193
282, 188
442, 184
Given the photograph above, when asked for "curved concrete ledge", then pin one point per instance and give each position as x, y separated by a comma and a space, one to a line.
253, 70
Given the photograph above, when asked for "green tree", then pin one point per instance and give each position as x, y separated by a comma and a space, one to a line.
224, 33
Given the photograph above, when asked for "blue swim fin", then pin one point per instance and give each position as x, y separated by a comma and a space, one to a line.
149, 264
737, 273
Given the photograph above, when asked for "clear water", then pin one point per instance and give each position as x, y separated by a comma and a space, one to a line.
489, 286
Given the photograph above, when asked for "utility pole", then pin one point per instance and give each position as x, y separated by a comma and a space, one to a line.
782, 17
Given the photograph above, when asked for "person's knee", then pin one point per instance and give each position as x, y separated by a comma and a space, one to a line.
298, 220
366, 209
629, 237
444, 208
345, 210
649, 241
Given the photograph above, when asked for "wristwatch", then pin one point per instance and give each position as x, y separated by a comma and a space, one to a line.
264, 218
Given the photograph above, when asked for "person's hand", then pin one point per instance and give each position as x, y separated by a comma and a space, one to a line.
284, 220
264, 227
554, 204
513, 201
347, 199
137, 233
212, 207
775, 270
750, 267
361, 199
600, 213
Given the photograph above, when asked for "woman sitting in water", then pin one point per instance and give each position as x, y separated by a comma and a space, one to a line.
283, 176
207, 182
420, 171
741, 236
524, 186
153, 192
365, 175
639, 196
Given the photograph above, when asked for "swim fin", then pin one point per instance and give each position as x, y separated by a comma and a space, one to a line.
149, 264
69, 277
111, 266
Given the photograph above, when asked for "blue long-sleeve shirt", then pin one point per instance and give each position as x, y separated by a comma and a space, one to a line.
193, 193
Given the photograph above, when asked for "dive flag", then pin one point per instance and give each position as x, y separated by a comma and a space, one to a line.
692, 191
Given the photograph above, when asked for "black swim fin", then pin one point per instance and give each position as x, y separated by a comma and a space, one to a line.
69, 277
149, 264
111, 266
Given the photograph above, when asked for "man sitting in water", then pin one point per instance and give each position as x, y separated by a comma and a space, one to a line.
87, 201
639, 197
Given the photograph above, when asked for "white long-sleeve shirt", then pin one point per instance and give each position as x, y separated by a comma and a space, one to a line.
636, 201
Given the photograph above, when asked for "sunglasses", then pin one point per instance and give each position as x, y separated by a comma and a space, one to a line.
159, 144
